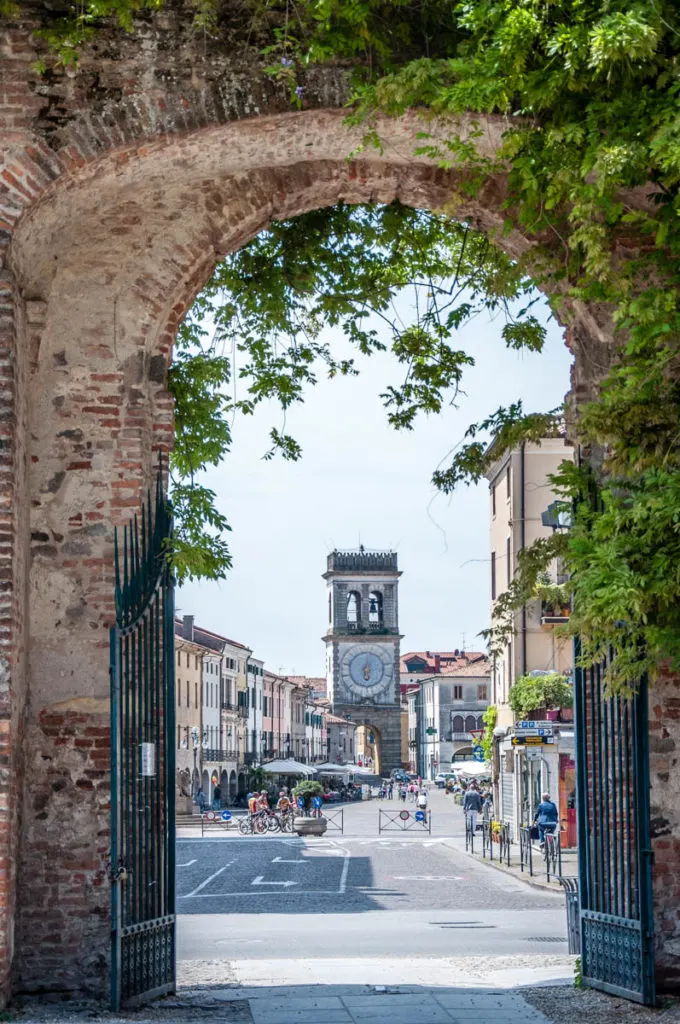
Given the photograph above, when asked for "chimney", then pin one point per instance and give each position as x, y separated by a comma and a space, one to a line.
437, 663
188, 627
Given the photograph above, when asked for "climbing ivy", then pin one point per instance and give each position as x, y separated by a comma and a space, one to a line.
588, 91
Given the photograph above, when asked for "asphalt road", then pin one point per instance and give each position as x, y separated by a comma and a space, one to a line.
356, 894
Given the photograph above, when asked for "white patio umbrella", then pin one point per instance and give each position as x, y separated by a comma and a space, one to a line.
473, 768
287, 767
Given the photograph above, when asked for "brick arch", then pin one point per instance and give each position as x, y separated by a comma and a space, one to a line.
105, 259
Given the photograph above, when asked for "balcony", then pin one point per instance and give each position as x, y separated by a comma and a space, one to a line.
365, 628
553, 614
461, 737
250, 758
220, 754
227, 705
242, 711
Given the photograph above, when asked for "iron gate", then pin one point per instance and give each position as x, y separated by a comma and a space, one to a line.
615, 860
143, 761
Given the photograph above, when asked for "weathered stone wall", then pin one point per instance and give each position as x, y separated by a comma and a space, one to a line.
120, 186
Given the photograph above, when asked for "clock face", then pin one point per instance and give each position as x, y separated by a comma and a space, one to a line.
367, 670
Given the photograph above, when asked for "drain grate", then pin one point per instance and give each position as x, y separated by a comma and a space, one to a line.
545, 938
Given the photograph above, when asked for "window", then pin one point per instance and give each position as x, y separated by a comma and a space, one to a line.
179, 693
480, 722
458, 693
470, 723
188, 701
482, 692
179, 659
493, 499
458, 723
508, 560
187, 659
493, 575
507, 483
195, 695
510, 672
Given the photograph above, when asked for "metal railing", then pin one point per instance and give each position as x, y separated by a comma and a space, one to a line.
570, 886
220, 754
227, 705
526, 858
404, 821
335, 819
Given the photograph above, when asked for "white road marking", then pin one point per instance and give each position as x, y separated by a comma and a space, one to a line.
187, 864
280, 860
208, 880
261, 881
426, 878
345, 870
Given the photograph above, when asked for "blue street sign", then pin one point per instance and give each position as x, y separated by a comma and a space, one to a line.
420, 815
301, 801
316, 801
226, 815
478, 753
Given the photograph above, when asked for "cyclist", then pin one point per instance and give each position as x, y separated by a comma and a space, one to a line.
283, 802
252, 803
546, 817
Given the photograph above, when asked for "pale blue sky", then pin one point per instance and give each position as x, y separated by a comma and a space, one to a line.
359, 481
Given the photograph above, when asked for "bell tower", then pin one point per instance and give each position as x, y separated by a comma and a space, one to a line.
362, 645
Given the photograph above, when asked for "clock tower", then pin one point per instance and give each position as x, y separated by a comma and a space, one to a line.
362, 646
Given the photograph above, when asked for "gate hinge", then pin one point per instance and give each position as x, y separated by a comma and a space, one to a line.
650, 855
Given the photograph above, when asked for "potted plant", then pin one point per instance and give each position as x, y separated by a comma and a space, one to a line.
540, 696
303, 823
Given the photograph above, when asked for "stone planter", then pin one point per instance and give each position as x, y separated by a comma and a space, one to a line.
310, 826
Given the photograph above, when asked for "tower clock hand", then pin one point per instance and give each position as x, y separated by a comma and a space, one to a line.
367, 670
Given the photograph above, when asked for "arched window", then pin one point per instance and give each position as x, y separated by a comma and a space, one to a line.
470, 723
375, 608
354, 607
458, 723
480, 722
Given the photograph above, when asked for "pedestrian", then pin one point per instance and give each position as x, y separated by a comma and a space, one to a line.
472, 806
422, 800
217, 798
403, 792
546, 817
252, 803
200, 799
390, 790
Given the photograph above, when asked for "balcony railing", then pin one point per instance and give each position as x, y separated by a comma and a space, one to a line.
227, 705
242, 711
457, 737
220, 754
554, 614
371, 627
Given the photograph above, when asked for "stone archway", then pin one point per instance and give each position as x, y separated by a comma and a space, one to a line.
113, 215
368, 745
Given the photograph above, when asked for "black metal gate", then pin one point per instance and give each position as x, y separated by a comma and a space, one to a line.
615, 860
143, 761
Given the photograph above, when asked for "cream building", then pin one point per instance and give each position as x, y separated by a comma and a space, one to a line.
520, 491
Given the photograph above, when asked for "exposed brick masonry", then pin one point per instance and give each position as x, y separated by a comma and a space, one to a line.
119, 189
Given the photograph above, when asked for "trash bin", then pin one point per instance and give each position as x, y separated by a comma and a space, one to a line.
570, 886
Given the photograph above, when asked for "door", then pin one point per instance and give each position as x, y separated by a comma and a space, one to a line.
615, 880
143, 761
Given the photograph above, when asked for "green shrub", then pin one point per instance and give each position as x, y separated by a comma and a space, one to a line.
531, 693
308, 789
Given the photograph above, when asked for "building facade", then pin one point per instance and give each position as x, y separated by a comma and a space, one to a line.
188, 714
362, 646
444, 707
520, 493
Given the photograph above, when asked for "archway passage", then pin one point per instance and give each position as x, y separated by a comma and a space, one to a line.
114, 213
368, 747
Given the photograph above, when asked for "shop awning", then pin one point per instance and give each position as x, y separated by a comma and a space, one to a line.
287, 767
